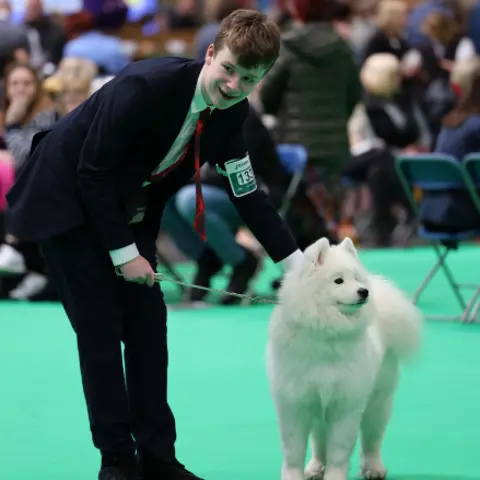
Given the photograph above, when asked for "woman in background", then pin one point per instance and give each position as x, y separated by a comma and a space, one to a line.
452, 210
56, 97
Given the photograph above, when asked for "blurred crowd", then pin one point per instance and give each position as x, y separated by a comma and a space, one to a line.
357, 83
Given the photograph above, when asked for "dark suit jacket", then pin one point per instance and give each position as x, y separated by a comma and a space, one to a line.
88, 166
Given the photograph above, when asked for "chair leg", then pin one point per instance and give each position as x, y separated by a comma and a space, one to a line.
471, 310
441, 259
453, 284
469, 314
472, 318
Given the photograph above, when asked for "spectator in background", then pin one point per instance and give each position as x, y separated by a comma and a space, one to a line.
385, 123
206, 34
14, 44
27, 111
45, 33
362, 25
67, 89
71, 85
90, 37
312, 90
341, 16
388, 37
26, 107
452, 210
446, 44
415, 35
184, 15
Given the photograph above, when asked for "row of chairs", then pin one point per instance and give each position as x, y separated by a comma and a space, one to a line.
437, 172
426, 172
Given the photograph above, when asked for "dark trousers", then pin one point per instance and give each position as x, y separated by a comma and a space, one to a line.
31, 253
106, 311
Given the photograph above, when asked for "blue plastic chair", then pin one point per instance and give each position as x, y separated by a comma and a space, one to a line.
471, 167
294, 160
436, 172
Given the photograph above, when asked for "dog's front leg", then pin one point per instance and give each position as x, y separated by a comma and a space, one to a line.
294, 425
341, 439
375, 421
316, 466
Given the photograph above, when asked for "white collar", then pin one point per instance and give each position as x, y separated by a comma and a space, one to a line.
198, 102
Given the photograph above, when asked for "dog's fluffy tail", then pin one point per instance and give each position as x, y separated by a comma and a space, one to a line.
400, 322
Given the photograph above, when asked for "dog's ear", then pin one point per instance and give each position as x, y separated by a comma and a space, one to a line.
349, 246
321, 249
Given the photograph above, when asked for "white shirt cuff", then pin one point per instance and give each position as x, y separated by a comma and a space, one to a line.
124, 254
293, 259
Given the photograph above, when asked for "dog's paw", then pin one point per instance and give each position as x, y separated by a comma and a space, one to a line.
315, 470
370, 474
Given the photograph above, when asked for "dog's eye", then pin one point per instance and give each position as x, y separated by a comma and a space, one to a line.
338, 281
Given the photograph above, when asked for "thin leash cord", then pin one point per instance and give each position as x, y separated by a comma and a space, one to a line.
161, 277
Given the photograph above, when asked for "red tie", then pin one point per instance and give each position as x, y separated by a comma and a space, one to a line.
199, 222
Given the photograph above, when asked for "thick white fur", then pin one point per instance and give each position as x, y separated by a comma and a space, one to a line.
333, 365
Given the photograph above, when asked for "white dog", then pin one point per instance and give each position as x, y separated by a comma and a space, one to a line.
335, 342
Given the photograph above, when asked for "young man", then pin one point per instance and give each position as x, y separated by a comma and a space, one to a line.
92, 193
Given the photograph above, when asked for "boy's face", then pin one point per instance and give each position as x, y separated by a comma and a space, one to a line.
224, 81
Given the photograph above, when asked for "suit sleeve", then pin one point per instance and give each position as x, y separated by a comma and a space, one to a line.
122, 115
254, 208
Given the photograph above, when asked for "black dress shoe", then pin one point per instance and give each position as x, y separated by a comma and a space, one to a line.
177, 471
117, 473
118, 467
165, 471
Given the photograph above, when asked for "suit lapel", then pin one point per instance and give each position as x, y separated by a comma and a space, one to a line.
171, 115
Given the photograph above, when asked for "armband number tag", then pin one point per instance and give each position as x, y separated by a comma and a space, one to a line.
241, 177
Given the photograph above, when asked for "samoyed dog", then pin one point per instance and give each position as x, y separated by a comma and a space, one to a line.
336, 340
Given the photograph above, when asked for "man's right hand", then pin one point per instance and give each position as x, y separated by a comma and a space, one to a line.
138, 270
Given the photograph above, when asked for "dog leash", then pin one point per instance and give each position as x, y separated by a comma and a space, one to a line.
161, 277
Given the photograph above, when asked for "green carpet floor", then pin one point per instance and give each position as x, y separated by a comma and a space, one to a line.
218, 389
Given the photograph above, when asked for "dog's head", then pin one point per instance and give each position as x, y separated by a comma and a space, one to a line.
329, 287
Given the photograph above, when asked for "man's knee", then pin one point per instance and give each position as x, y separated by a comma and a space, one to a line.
185, 201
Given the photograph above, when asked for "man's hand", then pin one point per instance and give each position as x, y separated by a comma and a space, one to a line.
138, 270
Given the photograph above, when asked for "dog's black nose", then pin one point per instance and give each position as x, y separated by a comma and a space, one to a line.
362, 293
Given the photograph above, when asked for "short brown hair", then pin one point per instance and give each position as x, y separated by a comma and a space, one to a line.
251, 36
